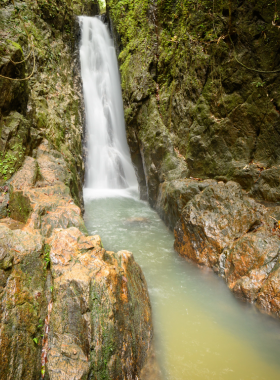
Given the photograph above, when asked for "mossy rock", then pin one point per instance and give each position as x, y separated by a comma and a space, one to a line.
19, 206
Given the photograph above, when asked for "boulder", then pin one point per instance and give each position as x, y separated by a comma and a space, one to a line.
214, 219
23, 303
101, 319
39, 195
249, 261
269, 295
174, 195
226, 230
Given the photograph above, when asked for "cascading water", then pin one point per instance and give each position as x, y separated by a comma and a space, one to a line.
108, 160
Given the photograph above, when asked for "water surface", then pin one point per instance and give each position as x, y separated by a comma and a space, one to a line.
202, 331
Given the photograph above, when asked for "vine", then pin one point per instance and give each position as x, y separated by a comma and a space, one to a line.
30, 38
250, 68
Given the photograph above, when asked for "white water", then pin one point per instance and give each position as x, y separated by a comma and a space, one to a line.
108, 160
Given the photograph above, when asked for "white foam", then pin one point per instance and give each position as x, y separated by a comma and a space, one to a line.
131, 192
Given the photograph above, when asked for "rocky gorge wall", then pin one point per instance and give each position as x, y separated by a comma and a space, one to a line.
200, 84
69, 309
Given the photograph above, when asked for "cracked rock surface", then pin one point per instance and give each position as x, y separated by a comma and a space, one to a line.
223, 228
69, 308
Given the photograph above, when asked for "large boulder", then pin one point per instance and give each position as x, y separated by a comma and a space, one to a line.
214, 219
250, 260
101, 319
239, 238
174, 195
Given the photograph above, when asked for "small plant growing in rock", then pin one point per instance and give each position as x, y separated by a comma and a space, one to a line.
258, 84
47, 255
35, 340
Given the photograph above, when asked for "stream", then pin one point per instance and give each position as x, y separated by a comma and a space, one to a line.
201, 330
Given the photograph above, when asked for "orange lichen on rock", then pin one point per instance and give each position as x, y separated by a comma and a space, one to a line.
94, 303
233, 234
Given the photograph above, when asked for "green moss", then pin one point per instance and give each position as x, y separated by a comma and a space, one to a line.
105, 333
19, 206
180, 76
16, 45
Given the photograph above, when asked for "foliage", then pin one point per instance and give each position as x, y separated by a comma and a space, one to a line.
9, 161
102, 5
47, 259
180, 26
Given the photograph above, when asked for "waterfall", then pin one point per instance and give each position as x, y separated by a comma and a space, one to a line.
109, 164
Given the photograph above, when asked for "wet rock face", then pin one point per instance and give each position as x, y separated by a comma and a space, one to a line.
69, 308
22, 300
174, 195
189, 103
102, 323
39, 195
49, 104
224, 229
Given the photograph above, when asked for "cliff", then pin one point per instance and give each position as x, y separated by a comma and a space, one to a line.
200, 85
68, 308
38, 41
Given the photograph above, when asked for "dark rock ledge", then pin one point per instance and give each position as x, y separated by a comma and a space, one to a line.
69, 308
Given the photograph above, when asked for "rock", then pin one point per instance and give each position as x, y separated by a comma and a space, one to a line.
212, 220
20, 206
52, 167
23, 303
267, 185
95, 304
224, 229
101, 319
269, 295
151, 370
220, 118
4, 201
49, 104
153, 144
250, 260
26, 176
14, 136
136, 157
12, 224
14, 94
174, 195
38, 196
